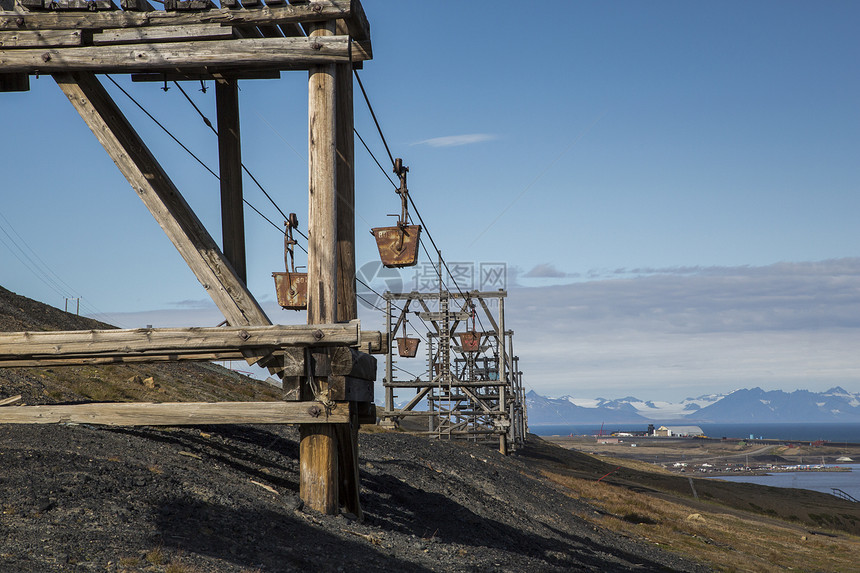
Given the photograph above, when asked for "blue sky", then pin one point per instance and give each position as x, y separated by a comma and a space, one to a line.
621, 158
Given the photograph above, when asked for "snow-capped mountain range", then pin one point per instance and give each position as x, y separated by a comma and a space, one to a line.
744, 405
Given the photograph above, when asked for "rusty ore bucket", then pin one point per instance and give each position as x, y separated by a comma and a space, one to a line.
470, 341
407, 347
292, 289
398, 246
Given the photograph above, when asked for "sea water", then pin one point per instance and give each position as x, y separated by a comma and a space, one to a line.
825, 482
830, 432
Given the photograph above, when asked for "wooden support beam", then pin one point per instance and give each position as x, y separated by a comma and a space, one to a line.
158, 341
319, 450
39, 38
177, 413
163, 200
284, 14
230, 164
162, 34
278, 53
212, 75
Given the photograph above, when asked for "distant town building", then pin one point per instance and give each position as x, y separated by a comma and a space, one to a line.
679, 431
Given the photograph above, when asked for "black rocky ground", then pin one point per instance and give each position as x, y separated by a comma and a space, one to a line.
225, 498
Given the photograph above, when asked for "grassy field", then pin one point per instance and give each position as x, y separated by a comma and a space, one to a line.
733, 526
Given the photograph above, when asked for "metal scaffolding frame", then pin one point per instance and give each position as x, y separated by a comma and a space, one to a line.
472, 386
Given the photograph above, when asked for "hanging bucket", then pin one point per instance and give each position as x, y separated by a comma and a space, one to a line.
292, 289
398, 246
407, 346
470, 341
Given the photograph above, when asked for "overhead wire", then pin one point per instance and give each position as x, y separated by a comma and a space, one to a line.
191, 153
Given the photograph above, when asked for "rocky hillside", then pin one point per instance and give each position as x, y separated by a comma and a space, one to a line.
114, 383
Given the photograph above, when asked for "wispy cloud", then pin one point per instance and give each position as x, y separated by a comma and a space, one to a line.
455, 140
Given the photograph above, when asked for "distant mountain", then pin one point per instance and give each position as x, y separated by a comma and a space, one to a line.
757, 405
745, 405
542, 411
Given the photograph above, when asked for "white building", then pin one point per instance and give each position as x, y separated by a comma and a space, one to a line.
679, 431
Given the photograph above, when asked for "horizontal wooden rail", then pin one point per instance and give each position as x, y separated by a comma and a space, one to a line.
277, 53
318, 10
178, 413
146, 343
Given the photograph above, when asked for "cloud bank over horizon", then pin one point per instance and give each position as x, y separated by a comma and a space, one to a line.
667, 334
679, 333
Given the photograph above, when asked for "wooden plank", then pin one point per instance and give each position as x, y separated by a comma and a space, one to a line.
11, 400
162, 34
230, 171
164, 201
40, 38
244, 74
177, 413
280, 53
164, 340
319, 10
43, 362
136, 5
373, 342
188, 5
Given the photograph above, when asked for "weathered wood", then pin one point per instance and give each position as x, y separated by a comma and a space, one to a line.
347, 308
319, 10
162, 34
141, 341
279, 53
89, 5
319, 450
373, 342
136, 5
40, 38
350, 362
178, 413
162, 198
243, 74
230, 171
358, 390
322, 188
188, 5
10, 400
318, 453
43, 362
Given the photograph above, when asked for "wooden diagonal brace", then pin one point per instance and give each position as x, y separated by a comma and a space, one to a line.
163, 200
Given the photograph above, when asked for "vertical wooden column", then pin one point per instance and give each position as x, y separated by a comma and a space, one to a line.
230, 168
347, 308
318, 455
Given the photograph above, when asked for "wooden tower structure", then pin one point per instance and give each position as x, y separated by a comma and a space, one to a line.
473, 389
328, 381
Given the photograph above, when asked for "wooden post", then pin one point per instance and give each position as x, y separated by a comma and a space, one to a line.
318, 451
347, 308
230, 164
